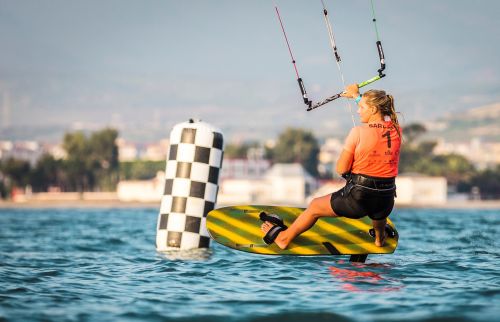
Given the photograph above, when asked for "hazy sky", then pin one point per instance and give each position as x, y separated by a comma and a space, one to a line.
145, 65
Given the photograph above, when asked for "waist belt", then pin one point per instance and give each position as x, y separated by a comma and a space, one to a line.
373, 183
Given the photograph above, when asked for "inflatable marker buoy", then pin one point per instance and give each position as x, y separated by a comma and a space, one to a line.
192, 171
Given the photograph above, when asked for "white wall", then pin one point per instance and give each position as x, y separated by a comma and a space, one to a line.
421, 190
240, 191
283, 184
287, 190
142, 190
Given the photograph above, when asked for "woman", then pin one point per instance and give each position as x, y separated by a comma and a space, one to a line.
369, 162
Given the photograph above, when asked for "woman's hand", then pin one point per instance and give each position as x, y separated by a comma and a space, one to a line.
351, 91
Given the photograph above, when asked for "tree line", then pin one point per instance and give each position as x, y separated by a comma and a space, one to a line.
417, 157
92, 163
298, 145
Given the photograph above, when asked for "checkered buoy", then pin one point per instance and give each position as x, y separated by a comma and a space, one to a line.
191, 185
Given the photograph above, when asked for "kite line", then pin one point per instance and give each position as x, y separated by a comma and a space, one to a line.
310, 104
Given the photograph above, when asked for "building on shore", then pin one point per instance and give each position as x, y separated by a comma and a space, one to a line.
240, 168
129, 151
141, 190
483, 155
328, 155
22, 150
281, 184
411, 190
417, 189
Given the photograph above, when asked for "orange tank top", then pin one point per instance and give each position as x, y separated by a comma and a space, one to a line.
376, 149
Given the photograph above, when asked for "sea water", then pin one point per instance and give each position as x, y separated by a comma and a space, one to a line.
101, 265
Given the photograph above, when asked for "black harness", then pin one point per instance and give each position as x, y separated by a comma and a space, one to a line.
384, 186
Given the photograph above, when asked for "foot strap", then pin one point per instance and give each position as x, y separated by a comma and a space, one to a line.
272, 234
278, 227
389, 232
273, 219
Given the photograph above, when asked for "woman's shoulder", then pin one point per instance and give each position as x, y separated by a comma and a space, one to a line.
355, 130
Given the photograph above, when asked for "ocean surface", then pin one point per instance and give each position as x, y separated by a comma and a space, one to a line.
101, 265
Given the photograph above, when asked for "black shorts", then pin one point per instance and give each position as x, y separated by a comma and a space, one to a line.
356, 201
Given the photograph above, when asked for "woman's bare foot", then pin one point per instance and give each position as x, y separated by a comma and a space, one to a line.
380, 233
266, 226
380, 240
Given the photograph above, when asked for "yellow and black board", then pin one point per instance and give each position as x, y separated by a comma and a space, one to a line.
238, 227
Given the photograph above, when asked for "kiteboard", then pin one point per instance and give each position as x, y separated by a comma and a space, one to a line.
238, 227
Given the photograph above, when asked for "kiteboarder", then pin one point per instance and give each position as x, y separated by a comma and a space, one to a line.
368, 162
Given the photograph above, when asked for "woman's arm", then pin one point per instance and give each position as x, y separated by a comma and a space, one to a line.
346, 159
344, 163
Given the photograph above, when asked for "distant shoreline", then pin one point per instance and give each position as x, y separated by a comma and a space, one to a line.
479, 204
78, 204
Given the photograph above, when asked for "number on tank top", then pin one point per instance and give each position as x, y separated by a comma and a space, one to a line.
388, 135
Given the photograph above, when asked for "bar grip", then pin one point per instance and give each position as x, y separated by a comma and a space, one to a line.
323, 102
304, 93
382, 57
336, 96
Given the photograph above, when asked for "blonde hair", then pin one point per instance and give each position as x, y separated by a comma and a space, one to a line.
384, 103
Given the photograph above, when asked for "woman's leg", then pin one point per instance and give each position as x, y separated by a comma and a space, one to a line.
319, 207
379, 227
